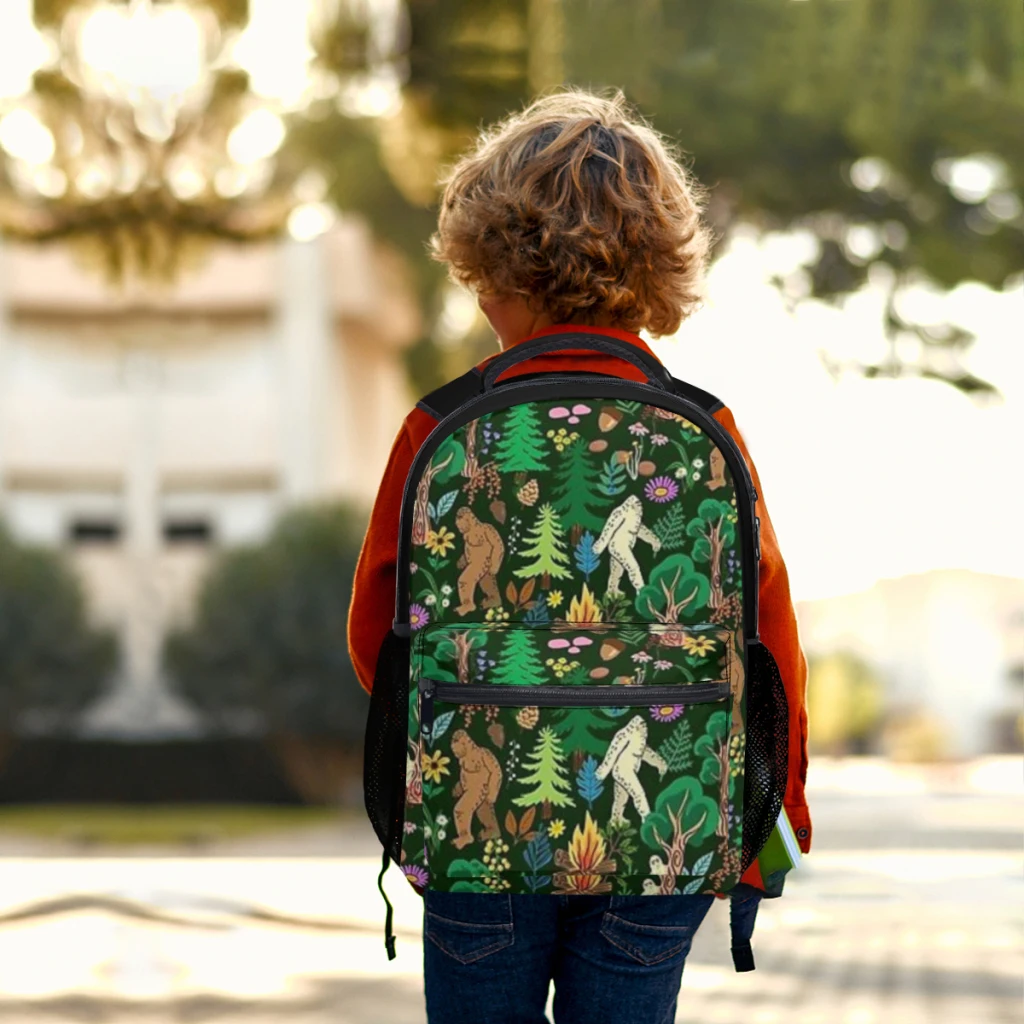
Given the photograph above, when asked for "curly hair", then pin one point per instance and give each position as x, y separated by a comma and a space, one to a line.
579, 206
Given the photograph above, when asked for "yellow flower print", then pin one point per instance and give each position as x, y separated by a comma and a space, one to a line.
561, 666
698, 645
496, 615
434, 765
554, 599
556, 827
440, 541
561, 438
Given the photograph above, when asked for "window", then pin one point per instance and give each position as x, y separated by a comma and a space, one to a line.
188, 531
94, 530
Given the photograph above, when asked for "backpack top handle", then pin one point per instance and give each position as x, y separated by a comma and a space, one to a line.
656, 374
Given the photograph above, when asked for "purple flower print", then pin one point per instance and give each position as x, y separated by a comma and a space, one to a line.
416, 875
661, 489
667, 712
418, 616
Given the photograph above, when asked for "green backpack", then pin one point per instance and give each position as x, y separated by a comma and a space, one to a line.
573, 698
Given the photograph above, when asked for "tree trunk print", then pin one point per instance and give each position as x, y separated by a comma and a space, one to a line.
471, 466
723, 789
420, 516
714, 539
673, 608
462, 642
675, 848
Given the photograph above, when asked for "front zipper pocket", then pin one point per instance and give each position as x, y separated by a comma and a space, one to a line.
585, 759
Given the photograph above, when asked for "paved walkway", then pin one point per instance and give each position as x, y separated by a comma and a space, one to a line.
909, 911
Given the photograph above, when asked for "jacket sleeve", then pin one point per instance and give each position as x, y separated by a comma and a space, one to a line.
373, 590
778, 629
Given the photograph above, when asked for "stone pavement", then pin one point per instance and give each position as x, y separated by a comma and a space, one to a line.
908, 911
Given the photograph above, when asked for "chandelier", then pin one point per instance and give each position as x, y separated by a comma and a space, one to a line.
148, 130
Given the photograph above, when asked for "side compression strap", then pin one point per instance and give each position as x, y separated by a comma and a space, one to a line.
456, 393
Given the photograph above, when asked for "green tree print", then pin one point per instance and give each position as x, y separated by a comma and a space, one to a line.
548, 774
521, 448
713, 748
586, 729
712, 530
682, 815
546, 544
674, 588
519, 663
575, 492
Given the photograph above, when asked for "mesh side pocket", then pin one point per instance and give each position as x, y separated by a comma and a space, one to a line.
767, 753
384, 752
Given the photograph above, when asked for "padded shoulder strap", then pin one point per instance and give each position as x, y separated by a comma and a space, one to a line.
704, 399
452, 396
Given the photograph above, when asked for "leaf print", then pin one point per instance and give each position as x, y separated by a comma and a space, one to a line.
612, 480
440, 727
445, 503
694, 886
702, 865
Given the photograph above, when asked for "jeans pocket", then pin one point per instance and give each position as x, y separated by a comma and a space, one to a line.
468, 926
654, 929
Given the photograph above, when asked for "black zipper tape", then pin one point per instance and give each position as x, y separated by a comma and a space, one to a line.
560, 386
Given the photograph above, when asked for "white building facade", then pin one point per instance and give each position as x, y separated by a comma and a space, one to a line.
142, 431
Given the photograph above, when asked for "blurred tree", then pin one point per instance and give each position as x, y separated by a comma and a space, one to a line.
267, 642
844, 704
52, 662
892, 129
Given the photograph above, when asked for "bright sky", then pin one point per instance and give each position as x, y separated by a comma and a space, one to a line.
864, 480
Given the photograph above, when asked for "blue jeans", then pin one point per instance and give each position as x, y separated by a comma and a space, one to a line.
488, 959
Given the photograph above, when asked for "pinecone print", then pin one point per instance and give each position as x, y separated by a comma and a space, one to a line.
528, 717
730, 609
529, 493
730, 868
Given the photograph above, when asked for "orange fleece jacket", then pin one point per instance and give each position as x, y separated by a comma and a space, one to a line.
373, 594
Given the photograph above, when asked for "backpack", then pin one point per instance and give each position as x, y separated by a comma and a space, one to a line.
573, 698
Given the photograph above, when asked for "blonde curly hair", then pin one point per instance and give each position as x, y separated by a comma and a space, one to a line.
579, 206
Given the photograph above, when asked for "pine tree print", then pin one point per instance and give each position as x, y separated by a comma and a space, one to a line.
519, 663
546, 544
548, 774
585, 729
521, 448
575, 491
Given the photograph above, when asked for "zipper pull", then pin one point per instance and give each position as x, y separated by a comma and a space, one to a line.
426, 707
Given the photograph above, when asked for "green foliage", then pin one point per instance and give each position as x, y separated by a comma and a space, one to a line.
674, 585
452, 455
677, 750
685, 795
545, 543
584, 729
548, 773
612, 480
268, 634
521, 448
575, 489
519, 663
670, 528
713, 514
710, 746
53, 664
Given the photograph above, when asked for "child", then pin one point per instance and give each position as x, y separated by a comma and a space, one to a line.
572, 214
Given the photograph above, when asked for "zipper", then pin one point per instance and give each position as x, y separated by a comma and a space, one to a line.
514, 393
563, 696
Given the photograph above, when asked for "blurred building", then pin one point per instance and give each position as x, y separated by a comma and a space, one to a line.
948, 644
141, 431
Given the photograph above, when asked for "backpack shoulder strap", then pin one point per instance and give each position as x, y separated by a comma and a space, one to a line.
707, 401
446, 399
451, 396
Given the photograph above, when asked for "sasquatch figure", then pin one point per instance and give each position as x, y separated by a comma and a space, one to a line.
476, 791
627, 750
480, 561
619, 536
